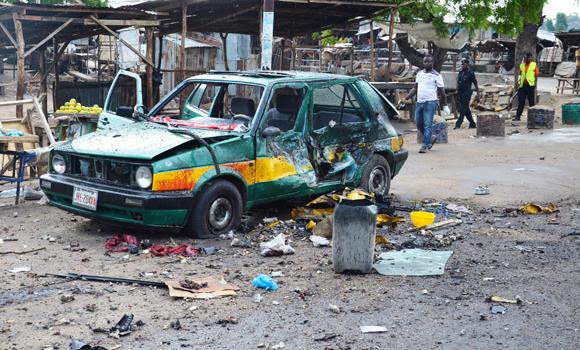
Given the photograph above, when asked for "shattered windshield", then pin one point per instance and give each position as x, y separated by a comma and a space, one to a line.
211, 105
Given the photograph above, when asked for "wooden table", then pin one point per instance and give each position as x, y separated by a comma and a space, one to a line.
568, 83
14, 162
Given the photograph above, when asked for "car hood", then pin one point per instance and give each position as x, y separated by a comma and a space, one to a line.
143, 140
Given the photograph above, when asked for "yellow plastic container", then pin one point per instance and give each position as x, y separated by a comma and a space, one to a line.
422, 218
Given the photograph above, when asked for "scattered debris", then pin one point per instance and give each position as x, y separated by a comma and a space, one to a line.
319, 241
241, 243
443, 224
276, 247
326, 337
122, 328
498, 309
258, 298
373, 329
66, 298
121, 243
74, 276
175, 324
498, 299
22, 252
310, 225
209, 250
228, 320
412, 262
203, 288
278, 346
277, 274
324, 228
421, 219
78, 345
20, 269
458, 208
265, 282
482, 190
533, 208
334, 308
128, 243
384, 219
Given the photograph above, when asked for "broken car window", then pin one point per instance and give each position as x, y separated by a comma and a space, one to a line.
378, 104
124, 94
283, 108
334, 105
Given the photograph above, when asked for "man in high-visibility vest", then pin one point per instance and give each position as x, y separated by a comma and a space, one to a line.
529, 72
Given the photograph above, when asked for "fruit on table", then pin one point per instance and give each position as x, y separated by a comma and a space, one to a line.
74, 107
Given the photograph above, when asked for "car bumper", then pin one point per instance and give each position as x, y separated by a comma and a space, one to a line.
168, 210
400, 158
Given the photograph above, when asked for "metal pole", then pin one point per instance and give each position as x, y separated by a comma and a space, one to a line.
267, 33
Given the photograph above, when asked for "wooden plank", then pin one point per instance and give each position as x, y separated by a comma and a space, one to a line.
20, 65
113, 33
59, 53
19, 139
15, 103
89, 22
5, 30
339, 3
50, 36
149, 69
182, 47
80, 75
44, 122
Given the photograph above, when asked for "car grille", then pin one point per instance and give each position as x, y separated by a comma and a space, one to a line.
103, 170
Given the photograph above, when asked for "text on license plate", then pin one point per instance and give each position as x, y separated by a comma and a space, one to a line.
85, 198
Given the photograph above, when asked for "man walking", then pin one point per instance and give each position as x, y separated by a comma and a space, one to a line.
465, 79
428, 85
529, 71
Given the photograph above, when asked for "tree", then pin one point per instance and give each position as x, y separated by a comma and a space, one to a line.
549, 25
561, 22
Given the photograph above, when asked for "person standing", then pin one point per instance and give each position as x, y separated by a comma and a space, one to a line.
529, 72
465, 79
428, 86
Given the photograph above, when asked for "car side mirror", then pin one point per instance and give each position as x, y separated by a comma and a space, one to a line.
124, 111
139, 111
271, 131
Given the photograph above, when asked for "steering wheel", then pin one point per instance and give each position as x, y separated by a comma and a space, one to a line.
242, 117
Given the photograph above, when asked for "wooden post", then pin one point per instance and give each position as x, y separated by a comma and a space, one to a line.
320, 56
57, 54
372, 36
21, 85
281, 66
149, 69
352, 60
225, 50
293, 54
391, 42
183, 35
43, 86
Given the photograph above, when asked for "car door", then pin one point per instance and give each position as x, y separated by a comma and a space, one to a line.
124, 95
339, 131
283, 166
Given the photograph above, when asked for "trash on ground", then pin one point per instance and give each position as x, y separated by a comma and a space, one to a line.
412, 262
278, 346
458, 208
75, 276
21, 252
498, 299
277, 274
373, 329
258, 298
533, 208
384, 219
208, 250
228, 320
442, 224
241, 243
182, 249
20, 269
265, 282
318, 241
122, 328
276, 247
323, 228
201, 288
334, 308
121, 243
326, 337
481, 190
66, 298
498, 309
175, 324
79, 345
310, 225
128, 243
421, 219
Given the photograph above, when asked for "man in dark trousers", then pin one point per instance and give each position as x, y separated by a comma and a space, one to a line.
465, 79
529, 72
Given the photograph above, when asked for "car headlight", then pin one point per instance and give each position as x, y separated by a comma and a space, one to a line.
58, 164
144, 177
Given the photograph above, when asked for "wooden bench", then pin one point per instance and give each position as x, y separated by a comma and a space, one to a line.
568, 84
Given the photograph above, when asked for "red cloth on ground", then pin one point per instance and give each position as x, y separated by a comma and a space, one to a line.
182, 249
115, 244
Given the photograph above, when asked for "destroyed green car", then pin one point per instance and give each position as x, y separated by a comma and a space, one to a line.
222, 143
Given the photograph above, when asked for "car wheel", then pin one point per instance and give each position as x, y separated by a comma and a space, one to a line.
377, 176
217, 210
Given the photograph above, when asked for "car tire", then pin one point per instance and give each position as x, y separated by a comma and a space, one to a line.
377, 176
217, 210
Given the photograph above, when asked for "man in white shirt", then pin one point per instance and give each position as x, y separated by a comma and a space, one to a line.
428, 85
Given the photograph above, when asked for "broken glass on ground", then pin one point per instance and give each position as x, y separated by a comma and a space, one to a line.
412, 262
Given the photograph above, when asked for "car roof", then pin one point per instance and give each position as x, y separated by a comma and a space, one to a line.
266, 77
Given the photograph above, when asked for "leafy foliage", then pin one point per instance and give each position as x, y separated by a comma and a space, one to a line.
549, 25
561, 22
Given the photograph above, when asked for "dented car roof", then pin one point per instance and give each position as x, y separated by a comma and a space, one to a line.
268, 77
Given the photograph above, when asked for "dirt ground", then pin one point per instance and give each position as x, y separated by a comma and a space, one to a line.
504, 253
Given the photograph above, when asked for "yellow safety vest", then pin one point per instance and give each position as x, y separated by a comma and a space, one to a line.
530, 75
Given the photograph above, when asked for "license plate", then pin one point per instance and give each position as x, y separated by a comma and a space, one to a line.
85, 198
